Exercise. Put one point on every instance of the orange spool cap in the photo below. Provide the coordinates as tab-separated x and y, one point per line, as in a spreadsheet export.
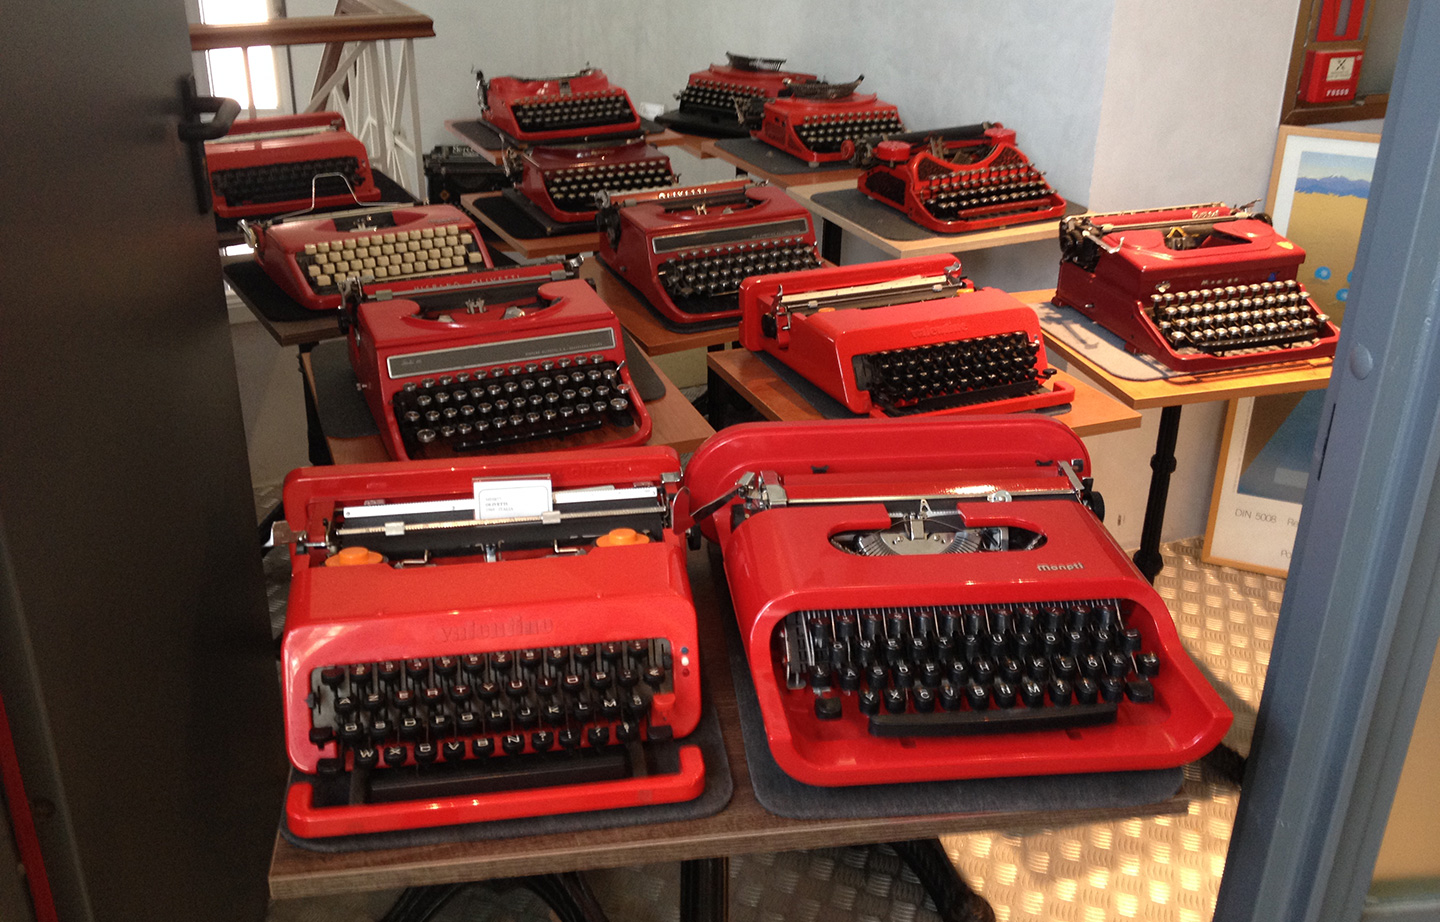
618	537
353	557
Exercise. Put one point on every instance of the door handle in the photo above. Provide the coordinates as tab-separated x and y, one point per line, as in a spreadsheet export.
195	133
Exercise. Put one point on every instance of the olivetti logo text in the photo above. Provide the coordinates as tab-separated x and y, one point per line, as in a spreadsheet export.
1048	567
493	630
931	330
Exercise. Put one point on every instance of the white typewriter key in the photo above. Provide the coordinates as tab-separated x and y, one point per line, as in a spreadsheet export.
323	247
427	232
310	249
322	280
314	271
466	239
475	258
368	263
381	272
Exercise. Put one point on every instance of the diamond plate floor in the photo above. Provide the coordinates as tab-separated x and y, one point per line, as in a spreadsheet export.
1157	869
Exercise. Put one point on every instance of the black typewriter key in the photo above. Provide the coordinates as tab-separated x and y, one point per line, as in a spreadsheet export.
360	675
1091	666
395	755
626	677
1050	643
977	696
417	669
388	672
839	654
460	693
895	700
868	702
332	676
482	747
1075	644
530	659
1002	620
380	728
512	743
597	737
872	626
1117	664
1061	692
439	721
849	677
321	735
827	708
958	671
467	722
408	727
654	676
1106	618
1003	694
1025	644
546	686
516	689
1008	668
452	750
951	696
1062	666
1102	641
344	705
1146	664
472	663
821	677
877	676
430	696
918	649
367	757
350	732
609	707
1026	619
526	716
600	679
557	656
996	645
487	691
1111	689
638	650
819	633
931	674
1050	618
1130	641
865	652
892	651
403	698
497	719
634	706
426	753
542	740
974	620
627	731
572	684
1078	618
982	670
924	699
1140	691
903	674
1032	693
847	626
553	714
1086	691
502	662
582	711
569	739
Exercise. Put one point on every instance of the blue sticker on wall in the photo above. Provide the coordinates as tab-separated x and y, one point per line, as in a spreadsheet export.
1349	276
1322	272
1342	295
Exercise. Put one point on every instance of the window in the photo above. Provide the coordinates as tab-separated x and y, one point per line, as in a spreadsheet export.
225	67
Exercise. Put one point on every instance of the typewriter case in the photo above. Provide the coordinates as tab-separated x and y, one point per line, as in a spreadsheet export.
798	486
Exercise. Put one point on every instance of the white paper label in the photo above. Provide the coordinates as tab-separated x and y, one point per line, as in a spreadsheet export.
512	497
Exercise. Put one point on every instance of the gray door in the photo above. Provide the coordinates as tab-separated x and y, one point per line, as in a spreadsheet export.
135	660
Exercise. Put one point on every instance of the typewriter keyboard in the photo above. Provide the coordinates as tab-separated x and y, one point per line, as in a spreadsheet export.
824	134
708	280
952	670
580	110
480	411
286	182
947	197
574	188
920	379
715	98
1237	318
428	251
478	706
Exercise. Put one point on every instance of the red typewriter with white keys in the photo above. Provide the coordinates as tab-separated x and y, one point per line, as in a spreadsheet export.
715	94
813	121
288	162
686	250
487	639
904	337
1200	288
564	182
392	251
518	359
540	110
956	180
934	599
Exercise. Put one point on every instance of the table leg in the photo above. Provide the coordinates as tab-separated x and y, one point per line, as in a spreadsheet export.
315	436
830	237
1162	465
705	890
954	900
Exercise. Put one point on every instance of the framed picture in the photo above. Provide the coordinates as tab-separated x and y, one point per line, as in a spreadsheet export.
1319	188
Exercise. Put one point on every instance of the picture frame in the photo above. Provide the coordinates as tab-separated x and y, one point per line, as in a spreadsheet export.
1319	187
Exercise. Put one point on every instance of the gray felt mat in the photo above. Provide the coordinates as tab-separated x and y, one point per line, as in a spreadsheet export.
487	137
774	160
888	222
784	796
1100	345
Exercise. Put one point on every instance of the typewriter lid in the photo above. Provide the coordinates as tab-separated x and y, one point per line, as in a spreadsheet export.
946	448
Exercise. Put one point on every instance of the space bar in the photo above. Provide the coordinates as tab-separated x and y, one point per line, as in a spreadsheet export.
998	720
509	773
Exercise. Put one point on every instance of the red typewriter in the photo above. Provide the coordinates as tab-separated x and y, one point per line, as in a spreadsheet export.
516	359
958	179
1200	288
487	639
288	162
564	181
539	110
934	599
813	121
902	338
715	94
393	251
686	250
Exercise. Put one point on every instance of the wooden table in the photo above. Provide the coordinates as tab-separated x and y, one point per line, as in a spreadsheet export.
1170	394
585	239
674	422
641	322
1090	413
742	827
709	148
933	244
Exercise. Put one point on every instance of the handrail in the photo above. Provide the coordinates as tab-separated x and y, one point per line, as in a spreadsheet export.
355	21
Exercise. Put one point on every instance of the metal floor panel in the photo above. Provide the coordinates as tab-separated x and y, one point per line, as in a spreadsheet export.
1157	869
